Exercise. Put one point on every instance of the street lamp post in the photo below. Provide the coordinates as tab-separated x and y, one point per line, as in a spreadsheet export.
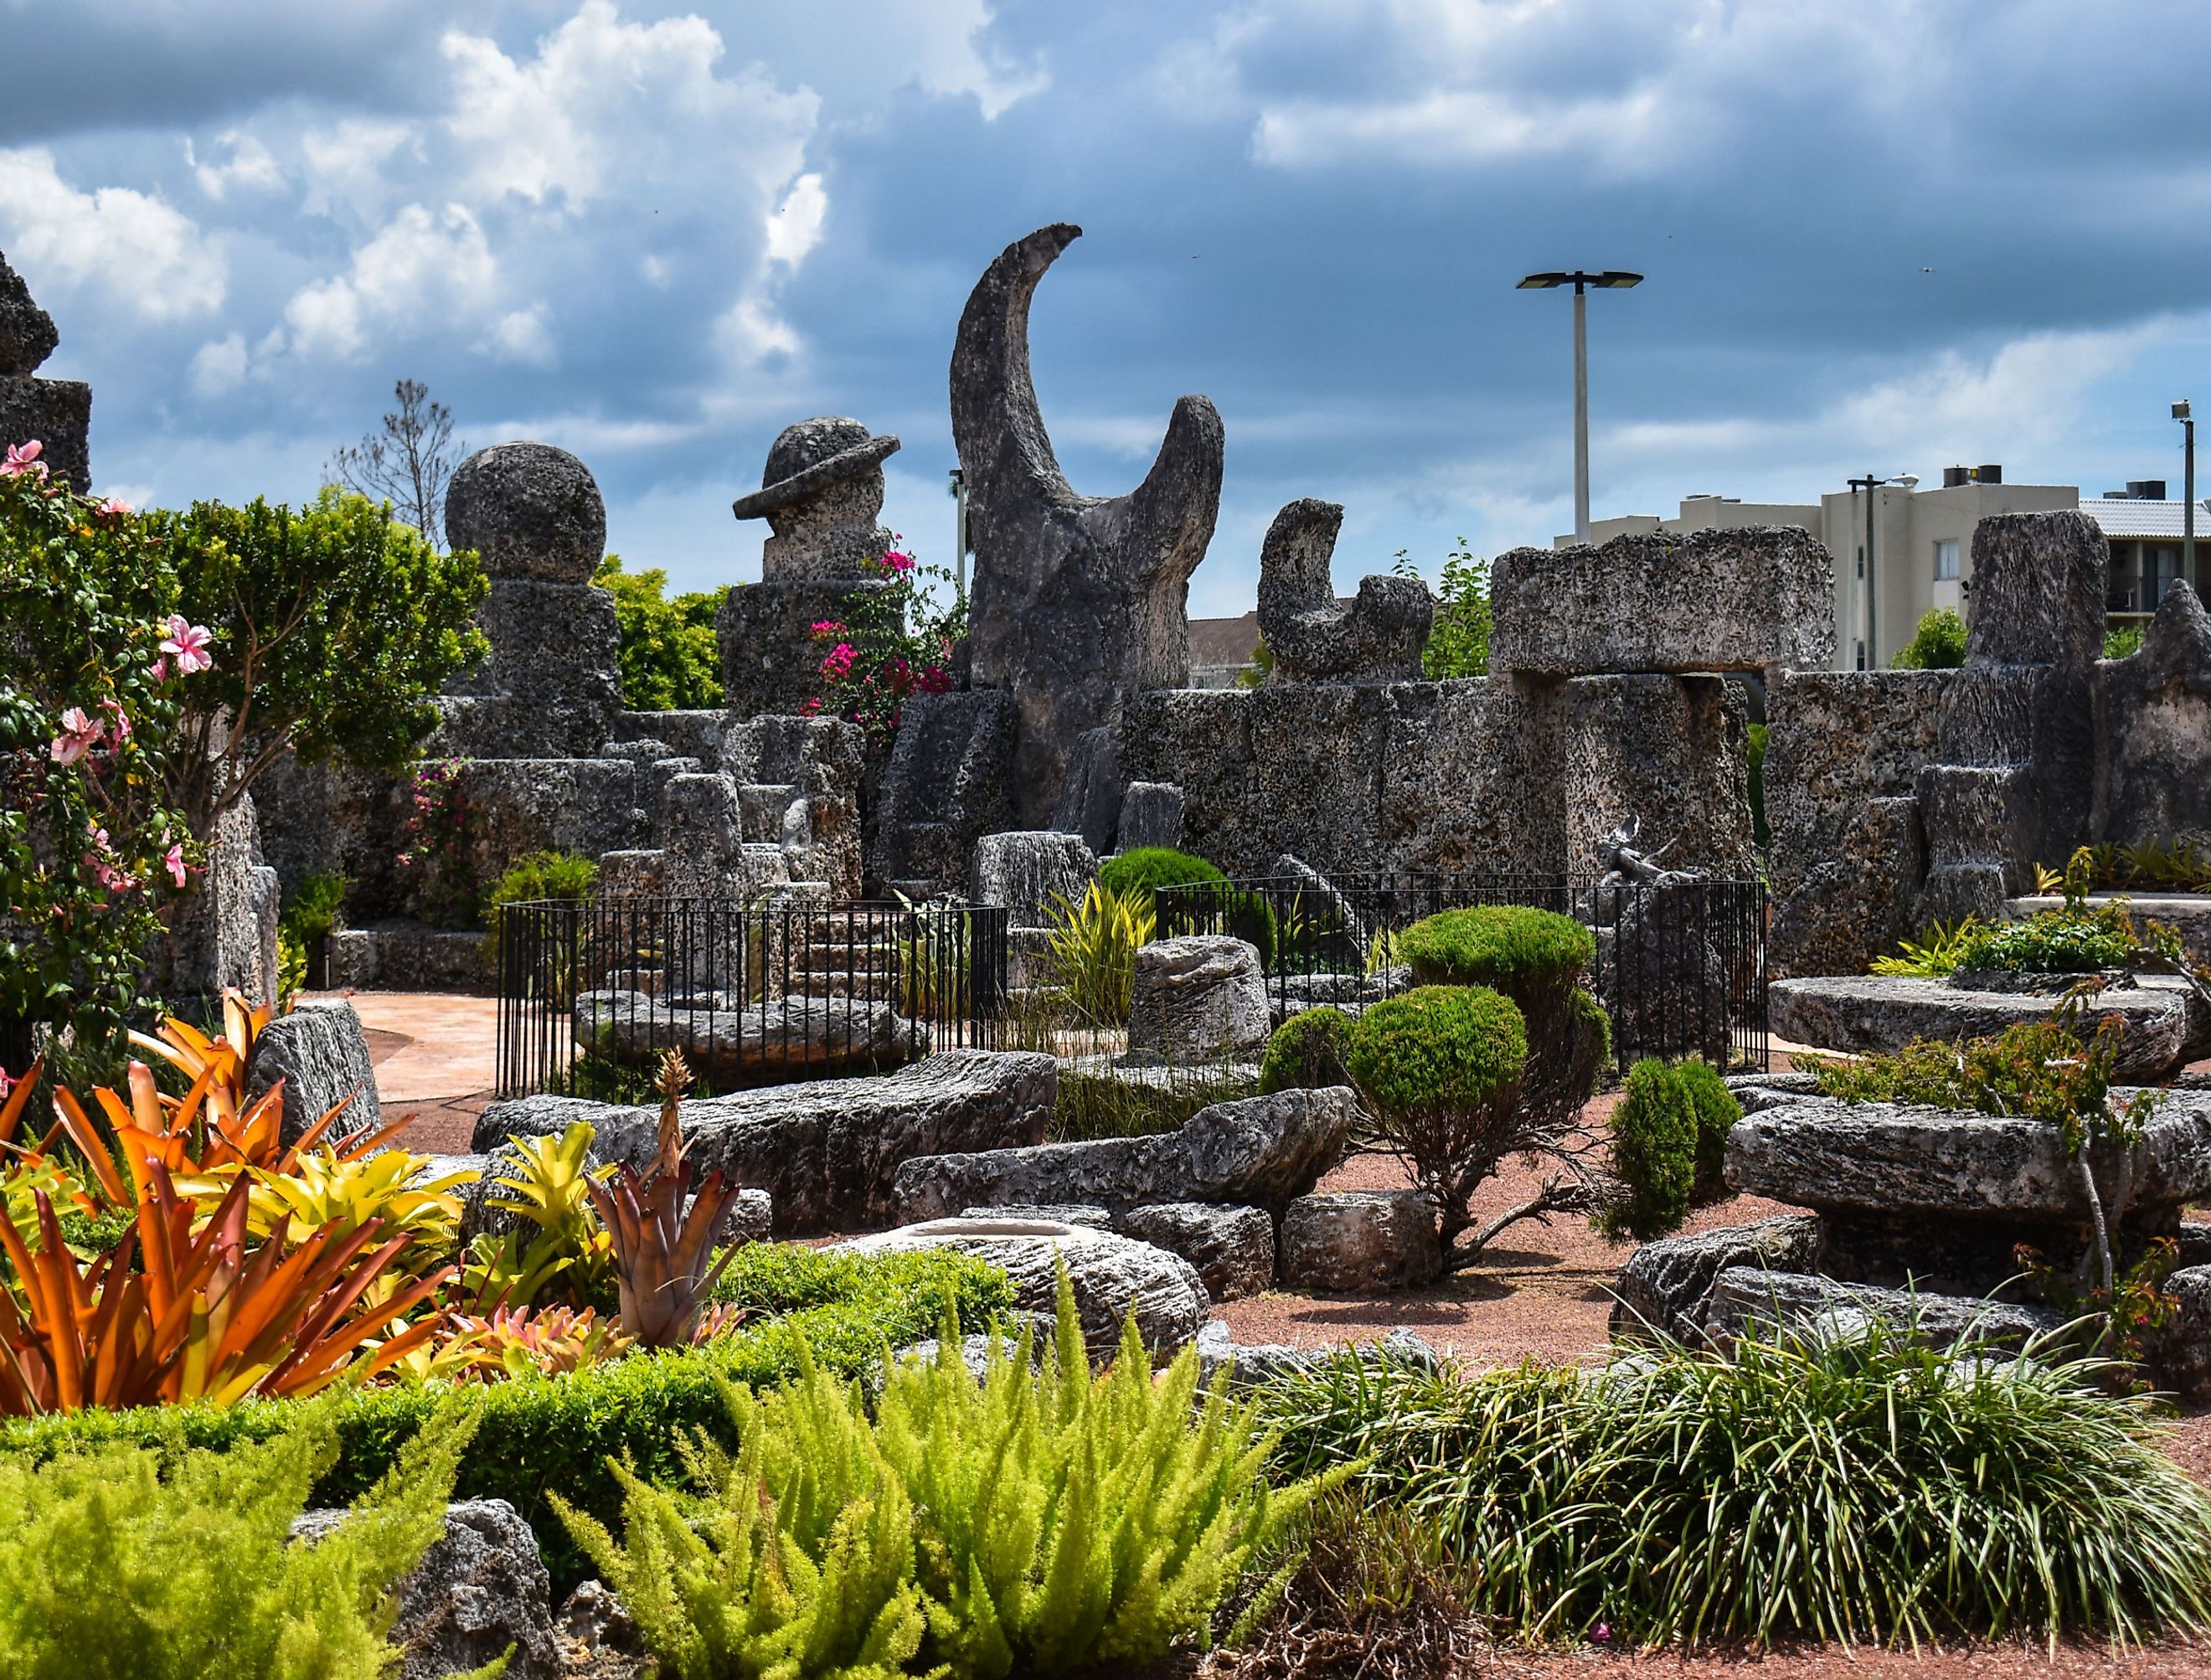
1869	483
1611	279
2188	492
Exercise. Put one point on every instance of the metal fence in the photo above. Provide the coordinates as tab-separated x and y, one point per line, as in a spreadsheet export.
591	991
1680	966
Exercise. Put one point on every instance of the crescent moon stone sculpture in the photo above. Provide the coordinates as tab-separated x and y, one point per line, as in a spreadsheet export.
1079	600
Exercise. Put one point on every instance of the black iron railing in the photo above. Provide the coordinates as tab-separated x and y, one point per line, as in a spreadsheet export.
591	991
1680	966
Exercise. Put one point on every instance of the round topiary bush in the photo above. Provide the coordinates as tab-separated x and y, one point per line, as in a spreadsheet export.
1437	1050
1509	947
1654	1153
1310	1050
1716	1112
1144	871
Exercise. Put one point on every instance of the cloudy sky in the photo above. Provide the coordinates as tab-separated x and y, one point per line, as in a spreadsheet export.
653	232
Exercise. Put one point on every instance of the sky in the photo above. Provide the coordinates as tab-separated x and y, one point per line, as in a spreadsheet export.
1879	235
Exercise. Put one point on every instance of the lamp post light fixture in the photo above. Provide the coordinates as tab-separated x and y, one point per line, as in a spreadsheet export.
1610	280
1869	483
2188	492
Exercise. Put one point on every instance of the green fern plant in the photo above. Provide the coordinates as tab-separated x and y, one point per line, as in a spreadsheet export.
129	1562
1030	1520
1937	953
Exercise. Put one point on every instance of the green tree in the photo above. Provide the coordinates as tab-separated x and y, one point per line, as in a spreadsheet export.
1458	640
334	626
90	713
1939	643
670	660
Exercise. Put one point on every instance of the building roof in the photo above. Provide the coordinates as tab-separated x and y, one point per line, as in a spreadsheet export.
2119	516
1220	643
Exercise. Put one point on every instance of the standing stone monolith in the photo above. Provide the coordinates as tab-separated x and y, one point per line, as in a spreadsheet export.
56	413
1079	602
1315	637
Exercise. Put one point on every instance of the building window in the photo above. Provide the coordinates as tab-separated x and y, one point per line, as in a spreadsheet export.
1861	655
1861	560
1946	559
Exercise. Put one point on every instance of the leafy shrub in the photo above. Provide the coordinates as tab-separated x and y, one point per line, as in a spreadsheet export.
532	878
316	907
1715	1111
1937	644
1510	948
1458	637
1860	1488
132	1562
1038	1522
670	659
1247	915
1937	953
1309	1050
1654	1152
1092	956
2123	642
2051	942
1440	1068
540	1433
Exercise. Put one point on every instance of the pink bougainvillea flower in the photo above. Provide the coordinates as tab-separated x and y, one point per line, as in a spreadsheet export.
79	735
828	626
812	708
897	561
937	681
188	644
23	458
175	863
112	507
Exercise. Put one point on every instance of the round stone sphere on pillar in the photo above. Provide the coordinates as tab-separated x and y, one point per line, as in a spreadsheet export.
530	511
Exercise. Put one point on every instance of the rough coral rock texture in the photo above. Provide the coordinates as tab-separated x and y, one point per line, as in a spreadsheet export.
1668	750
1232	1247
1259	1151
1842	762
1032	872
478	1590
1758	598
1054	1213
1312	637
321	1054
2165	1023
2181	1349
1112	1276
1348	1241
1079	602
821	494
820	761
551	685
2154	723
28	337
1744	1296
946	786
598	1638
730	1042
771	664
58	414
1901	1160
1200	998
528	510
826	1151
2038	590
1666	1286
1151	814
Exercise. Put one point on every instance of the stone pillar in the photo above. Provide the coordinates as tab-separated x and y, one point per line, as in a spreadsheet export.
821	495
57	413
552	684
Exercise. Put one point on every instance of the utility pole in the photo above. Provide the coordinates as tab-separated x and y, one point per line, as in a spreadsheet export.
1869	483
2188	493
1580	279
958	487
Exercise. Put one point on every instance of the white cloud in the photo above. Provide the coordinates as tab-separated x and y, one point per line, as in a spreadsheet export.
345	165
949	62
795	227
609	106
524	335
750	332
135	248
252	164
422	265
220	365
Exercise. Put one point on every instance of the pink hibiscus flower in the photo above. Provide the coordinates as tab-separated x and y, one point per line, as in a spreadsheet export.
175	863
112	507
188	644
23	458
79	735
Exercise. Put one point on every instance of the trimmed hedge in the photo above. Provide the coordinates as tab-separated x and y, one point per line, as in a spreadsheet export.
1509	947
1148	868
1654	1151
1715	1111
1310	1050
558	1433
1437	1048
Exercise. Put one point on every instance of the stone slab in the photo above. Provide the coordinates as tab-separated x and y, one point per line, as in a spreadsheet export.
1742	1296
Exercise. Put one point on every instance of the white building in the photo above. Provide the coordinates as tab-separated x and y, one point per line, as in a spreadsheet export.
1905	550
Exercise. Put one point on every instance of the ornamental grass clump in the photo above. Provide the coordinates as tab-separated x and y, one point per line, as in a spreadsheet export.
1029	1520
1860	1488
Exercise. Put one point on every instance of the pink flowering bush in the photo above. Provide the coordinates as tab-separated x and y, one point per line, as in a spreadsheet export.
439	862
895	640
93	682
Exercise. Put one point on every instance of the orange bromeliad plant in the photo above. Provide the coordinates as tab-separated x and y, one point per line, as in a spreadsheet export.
204	1319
